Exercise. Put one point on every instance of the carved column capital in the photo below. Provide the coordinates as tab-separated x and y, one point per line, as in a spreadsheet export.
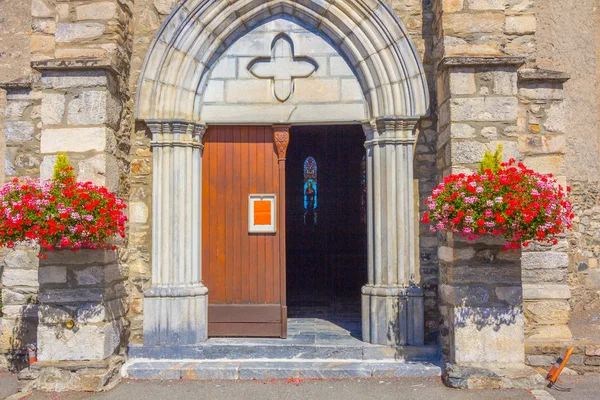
176	133
390	130
281	137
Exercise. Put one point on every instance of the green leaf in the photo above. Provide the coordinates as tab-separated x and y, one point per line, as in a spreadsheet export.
491	161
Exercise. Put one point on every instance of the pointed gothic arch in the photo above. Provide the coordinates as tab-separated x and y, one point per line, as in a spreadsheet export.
366	33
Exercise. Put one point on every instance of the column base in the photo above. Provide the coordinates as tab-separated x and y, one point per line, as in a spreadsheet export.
175	315
393	315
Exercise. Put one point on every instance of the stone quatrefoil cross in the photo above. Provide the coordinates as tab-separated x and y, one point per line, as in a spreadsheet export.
282	67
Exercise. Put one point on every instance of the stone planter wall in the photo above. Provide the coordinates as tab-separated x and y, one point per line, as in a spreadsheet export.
86	290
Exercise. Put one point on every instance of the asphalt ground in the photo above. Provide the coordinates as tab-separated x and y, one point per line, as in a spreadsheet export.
583	388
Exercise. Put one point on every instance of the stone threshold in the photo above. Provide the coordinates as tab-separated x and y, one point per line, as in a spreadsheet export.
255	349
275	369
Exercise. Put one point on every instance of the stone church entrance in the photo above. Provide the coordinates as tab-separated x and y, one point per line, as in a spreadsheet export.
326	235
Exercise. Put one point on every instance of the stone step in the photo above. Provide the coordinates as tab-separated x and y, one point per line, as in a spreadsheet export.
275	369
273	349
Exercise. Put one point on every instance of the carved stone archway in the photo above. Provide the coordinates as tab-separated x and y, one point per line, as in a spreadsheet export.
370	38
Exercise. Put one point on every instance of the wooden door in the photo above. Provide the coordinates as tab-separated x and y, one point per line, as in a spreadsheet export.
243	271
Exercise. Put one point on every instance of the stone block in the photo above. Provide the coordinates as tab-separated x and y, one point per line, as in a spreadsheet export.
21	258
462	81
164	6
339	67
531	276
542	291
520	24
214	92
41	43
484	109
103	10
464	24
102	170
538	144
16	109
486	4
351	90
488	335
53	108
94	108
317	90
553	164
547	312
513	295
138	213
81	257
467	152
462	131
52	275
40	9
78	31
19	131
88	342
504	83
74	79
555	118
544	260
77	140
12	277
225	68
44	26
541	93
451	6
249	91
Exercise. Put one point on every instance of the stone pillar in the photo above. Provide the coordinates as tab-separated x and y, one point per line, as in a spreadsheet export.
392	305
176	305
481	306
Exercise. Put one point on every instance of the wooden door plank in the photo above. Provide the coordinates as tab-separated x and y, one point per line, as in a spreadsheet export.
244	313
228	217
245	256
220	295
261	237
253	239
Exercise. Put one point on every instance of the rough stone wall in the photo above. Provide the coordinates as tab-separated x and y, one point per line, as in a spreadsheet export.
485	28
569	41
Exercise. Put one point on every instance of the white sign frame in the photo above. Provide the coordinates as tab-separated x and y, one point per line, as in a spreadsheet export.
272	227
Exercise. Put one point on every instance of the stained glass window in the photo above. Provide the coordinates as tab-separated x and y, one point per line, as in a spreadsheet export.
363	190
310	190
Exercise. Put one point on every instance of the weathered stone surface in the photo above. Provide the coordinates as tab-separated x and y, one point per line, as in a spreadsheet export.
521	24
504	83
164	6
486	4
465	23
450	6
462	81
78	31
537	144
101	169
16	109
93	108
21	258
484	109
467	152
12	277
546	291
39	8
89	342
52	274
102	10
138	212
513	295
53	108
555	118
19	131
547	312
74	79
76	140
544	260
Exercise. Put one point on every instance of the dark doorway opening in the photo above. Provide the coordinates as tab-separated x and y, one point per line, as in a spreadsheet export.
326	235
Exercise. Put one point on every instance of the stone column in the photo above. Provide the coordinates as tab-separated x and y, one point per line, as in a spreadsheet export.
176	305
392	305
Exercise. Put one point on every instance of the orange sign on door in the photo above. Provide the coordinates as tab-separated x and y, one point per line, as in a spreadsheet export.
262	212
